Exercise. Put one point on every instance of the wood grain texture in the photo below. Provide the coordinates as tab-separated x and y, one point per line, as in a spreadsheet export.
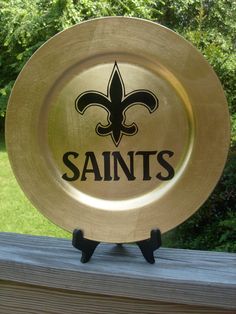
194	278
24	299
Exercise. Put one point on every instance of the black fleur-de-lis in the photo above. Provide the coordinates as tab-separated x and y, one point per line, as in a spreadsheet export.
116	103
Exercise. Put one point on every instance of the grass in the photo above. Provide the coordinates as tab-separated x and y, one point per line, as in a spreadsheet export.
16	212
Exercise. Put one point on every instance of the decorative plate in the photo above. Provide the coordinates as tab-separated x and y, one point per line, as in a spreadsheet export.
117	126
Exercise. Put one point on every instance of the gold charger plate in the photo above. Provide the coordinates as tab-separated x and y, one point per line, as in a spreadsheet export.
117	126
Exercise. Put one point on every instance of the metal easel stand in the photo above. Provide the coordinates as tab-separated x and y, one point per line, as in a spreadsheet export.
87	247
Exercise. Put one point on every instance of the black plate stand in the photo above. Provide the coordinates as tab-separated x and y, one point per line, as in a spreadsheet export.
88	247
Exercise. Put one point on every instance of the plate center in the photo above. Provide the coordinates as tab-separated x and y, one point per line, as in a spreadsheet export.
117	130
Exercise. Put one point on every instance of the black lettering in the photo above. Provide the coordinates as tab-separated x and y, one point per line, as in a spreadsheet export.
71	166
95	170
165	165
107	166
129	172
146	163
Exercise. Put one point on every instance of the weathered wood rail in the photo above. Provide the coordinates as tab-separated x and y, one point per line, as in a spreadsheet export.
44	275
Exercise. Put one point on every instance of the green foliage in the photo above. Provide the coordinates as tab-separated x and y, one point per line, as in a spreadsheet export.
209	24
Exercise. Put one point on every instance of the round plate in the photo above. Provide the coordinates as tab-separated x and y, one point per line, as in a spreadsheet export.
117	126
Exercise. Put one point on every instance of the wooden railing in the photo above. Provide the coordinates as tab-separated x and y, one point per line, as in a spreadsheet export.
44	275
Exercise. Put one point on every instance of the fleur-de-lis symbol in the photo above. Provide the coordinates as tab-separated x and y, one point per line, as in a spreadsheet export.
116	103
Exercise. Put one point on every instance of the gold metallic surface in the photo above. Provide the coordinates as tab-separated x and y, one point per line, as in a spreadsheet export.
191	120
